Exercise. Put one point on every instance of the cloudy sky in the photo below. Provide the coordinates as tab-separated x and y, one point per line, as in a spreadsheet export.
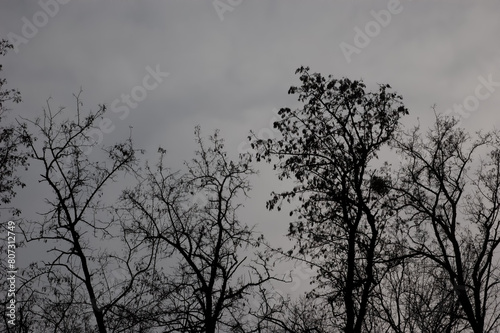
230	64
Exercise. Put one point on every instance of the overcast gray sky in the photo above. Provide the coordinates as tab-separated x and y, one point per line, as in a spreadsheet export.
230	64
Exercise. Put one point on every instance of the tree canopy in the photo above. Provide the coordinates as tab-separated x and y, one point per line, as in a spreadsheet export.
405	244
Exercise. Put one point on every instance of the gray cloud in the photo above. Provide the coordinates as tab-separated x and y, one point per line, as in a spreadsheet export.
230	74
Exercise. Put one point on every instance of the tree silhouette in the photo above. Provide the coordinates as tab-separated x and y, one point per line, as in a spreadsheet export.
328	147
450	186
12	140
408	247
218	265
13	155
81	224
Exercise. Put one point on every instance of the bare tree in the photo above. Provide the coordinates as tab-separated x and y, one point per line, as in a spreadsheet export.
282	314
416	297
81	225
211	262
450	186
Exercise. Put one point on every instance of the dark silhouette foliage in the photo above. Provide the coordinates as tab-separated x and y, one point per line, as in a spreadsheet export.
327	147
408	245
